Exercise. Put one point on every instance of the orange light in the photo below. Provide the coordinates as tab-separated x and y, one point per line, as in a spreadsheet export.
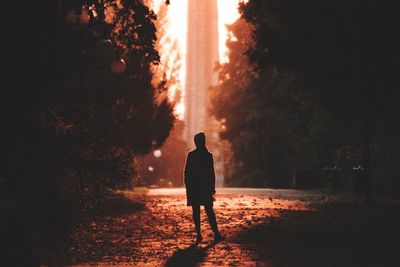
228	13
177	28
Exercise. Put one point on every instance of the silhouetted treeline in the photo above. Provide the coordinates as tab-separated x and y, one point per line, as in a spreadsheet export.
313	86
165	169
78	106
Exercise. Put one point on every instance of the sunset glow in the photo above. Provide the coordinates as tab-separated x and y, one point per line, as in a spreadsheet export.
227	14
177	29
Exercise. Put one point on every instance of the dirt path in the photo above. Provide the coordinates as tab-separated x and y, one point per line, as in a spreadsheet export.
161	233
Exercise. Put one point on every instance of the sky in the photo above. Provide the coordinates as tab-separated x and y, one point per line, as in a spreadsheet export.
177	28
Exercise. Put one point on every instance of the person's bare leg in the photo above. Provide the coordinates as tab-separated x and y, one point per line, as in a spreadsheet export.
196	220
213	222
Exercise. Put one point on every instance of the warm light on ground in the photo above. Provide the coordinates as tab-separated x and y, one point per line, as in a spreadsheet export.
177	29
157	234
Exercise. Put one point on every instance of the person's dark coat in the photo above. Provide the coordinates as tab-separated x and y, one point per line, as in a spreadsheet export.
199	177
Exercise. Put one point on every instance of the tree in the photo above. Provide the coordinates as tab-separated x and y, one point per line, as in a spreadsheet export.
341	52
166	167
77	115
265	121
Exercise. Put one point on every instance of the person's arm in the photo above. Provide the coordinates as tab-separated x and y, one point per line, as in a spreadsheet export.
187	171
212	189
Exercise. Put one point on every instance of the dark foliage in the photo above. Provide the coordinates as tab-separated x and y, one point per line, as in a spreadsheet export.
321	91
72	124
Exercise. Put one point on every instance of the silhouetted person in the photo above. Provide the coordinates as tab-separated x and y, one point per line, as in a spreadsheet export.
200	185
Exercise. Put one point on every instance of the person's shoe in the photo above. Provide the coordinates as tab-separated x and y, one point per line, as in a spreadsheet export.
199	238
218	238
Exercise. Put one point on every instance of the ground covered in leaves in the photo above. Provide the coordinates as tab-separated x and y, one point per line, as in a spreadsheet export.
263	227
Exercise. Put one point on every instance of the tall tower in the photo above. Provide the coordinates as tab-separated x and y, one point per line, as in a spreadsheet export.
201	58
202	54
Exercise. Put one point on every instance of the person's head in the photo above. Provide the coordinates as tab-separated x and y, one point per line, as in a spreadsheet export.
200	140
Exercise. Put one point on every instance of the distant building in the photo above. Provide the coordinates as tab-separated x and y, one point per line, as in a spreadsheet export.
202	53
201	58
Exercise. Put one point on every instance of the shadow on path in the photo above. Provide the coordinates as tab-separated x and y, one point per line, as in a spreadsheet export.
343	234
188	257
